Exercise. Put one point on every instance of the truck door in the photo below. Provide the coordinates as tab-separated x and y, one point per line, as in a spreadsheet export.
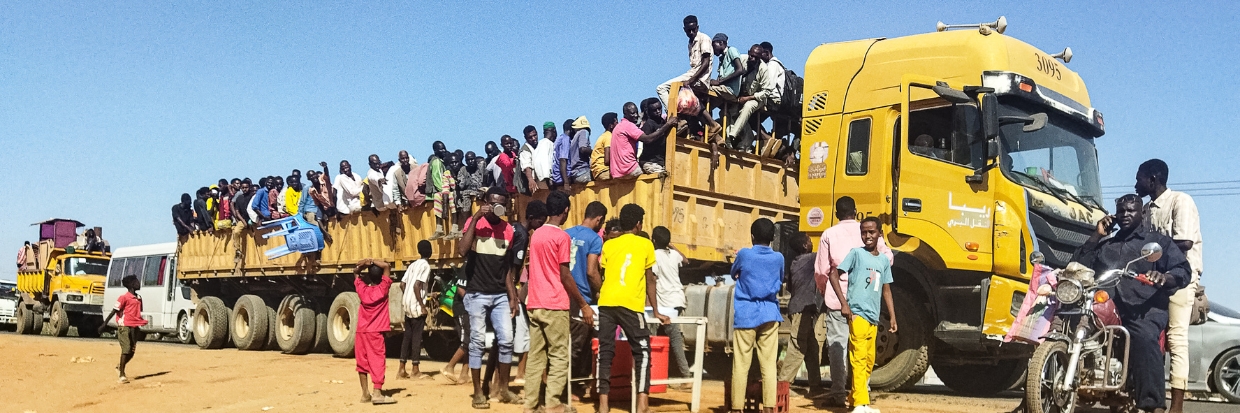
153	279
941	144
172	287
863	170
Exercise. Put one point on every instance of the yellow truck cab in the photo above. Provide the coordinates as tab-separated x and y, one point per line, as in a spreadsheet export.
975	149
61	283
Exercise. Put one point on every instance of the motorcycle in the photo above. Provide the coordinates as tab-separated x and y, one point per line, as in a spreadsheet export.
1083	360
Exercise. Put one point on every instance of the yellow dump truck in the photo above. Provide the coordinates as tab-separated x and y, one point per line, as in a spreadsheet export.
60	283
974	148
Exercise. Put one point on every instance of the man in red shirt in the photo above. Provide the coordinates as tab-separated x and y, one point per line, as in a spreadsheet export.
551	285
372	321
128	324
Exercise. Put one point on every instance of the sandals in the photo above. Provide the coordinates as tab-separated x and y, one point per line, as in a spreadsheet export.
508	397
481	402
450	376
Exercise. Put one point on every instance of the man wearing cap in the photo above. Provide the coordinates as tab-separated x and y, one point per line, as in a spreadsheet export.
544	155
578	165
728	85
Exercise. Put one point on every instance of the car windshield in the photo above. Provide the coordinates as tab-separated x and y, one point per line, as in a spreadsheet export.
1058	158
86	266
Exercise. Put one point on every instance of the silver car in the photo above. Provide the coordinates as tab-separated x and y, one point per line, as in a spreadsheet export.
1214	352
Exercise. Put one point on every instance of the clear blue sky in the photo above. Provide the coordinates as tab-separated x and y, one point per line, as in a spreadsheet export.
109	112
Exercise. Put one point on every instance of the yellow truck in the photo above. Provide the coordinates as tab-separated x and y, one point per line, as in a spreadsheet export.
974	148
60	283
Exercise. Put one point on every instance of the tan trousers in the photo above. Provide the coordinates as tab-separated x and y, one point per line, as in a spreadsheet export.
1179	313
763	340
549	337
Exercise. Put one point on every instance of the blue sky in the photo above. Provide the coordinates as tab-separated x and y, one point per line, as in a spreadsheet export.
109	112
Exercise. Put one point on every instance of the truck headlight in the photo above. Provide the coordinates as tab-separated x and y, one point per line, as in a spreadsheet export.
73	297
1069	291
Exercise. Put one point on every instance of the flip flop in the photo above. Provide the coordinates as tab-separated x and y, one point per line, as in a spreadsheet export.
423	376
481	402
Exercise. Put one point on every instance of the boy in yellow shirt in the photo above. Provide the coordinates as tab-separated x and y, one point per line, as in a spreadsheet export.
628	284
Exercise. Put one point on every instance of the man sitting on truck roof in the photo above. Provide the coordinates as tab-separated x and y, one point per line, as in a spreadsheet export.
561	157
699	61
758	90
525	159
654	153
442	187
377	179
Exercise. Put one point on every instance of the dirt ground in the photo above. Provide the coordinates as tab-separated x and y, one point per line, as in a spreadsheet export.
45	374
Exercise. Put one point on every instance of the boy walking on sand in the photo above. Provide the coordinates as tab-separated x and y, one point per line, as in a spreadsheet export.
372	279
414	302
869	272
759	274
628	285
128	324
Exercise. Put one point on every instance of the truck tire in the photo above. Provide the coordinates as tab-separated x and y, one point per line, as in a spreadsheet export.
211	323
320	328
271	343
26	320
88	325
295	325
979	380
907	352
249	323
59	322
185	334
341	323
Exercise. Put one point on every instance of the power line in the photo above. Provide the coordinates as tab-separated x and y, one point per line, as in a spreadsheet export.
1178	184
1187	191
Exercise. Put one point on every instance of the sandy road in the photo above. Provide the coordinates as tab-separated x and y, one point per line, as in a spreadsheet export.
40	377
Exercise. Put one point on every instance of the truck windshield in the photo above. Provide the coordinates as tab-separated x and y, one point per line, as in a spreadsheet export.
1059	159
86	266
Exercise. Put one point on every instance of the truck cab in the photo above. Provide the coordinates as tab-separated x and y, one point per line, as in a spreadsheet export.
61	284
975	149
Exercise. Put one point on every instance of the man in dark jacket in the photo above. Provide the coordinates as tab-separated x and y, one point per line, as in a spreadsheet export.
1141	306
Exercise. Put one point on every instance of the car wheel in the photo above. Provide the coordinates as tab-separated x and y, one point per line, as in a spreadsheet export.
1226	375
185	333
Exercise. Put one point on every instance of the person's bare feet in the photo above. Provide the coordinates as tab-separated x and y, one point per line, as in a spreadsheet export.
602	404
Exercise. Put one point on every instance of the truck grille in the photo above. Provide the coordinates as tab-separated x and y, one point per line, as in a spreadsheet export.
96	289
1058	239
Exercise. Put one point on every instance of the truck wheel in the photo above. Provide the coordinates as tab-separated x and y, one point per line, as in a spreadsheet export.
341	323
902	357
320	328
295	325
185	334
980	380
211	323
441	345
60	320
26	320
271	343
88	325
249	323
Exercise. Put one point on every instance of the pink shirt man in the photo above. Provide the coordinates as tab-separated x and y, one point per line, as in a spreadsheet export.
832	248
624	148
550	247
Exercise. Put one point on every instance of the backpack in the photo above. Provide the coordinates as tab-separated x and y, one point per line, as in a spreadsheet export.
794	90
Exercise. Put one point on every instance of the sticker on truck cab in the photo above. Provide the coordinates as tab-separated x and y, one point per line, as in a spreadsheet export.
818	153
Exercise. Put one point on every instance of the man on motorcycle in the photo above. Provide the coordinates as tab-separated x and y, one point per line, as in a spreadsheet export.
1142	307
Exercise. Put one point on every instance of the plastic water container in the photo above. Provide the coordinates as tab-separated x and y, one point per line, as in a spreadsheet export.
622	366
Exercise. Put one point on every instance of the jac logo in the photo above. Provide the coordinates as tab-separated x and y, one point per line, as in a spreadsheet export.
1049	66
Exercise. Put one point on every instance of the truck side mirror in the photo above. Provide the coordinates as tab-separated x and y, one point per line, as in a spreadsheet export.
990	118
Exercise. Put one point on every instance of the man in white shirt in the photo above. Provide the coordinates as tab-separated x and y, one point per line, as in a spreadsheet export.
671	293
544	155
348	188
700	57
776	69
378	182
1174	214
414	303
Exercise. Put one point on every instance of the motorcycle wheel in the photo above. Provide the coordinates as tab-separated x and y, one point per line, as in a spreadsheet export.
1047	370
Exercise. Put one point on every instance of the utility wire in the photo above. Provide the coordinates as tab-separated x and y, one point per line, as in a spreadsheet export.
1177	184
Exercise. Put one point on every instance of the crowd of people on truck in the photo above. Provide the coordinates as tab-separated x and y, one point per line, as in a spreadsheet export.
541	287
747	90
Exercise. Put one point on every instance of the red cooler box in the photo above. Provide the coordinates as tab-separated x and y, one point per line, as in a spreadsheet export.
622	366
